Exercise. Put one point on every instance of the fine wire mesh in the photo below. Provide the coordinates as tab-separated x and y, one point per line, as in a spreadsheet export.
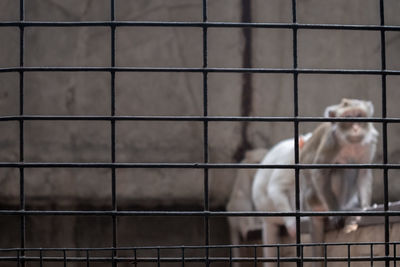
43	256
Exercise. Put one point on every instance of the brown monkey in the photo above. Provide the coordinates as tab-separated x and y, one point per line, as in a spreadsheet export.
321	189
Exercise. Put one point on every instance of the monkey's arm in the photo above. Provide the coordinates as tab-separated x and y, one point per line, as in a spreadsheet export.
321	181
321	178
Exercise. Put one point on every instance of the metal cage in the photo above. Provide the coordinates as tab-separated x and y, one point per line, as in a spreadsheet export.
24	256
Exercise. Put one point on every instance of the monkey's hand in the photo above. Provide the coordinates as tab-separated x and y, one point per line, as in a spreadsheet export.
352	225
350	228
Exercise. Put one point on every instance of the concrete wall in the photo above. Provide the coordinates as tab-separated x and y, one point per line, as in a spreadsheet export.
88	93
136	94
69	93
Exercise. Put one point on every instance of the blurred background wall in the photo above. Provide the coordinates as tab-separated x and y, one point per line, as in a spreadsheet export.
171	93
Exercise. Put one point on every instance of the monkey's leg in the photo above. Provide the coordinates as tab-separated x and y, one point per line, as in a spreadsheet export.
280	194
362	194
317	231
270	236
347	192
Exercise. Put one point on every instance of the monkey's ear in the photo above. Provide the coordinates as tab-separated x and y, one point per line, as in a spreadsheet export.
330	112
370	108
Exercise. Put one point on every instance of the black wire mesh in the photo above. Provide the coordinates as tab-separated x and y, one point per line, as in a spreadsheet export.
189	254
207	254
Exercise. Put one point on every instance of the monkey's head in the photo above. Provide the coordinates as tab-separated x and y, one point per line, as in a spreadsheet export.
353	132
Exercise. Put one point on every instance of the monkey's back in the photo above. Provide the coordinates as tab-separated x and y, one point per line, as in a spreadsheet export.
267	180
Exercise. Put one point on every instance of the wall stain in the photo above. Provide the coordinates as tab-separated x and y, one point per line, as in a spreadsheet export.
247	84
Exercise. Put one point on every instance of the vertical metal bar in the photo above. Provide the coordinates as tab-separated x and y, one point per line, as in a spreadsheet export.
384	131
113	174
205	132
371	254
183	256
41	258
278	255
230	257
301	252
65	258
325	256
158	257
21	130
348	255
394	255
87	258
296	131
18	259
255	256
135	257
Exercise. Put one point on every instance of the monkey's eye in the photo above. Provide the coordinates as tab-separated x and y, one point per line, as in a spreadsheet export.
345	125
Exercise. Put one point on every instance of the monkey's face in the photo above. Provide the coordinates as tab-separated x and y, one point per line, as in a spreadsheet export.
354	132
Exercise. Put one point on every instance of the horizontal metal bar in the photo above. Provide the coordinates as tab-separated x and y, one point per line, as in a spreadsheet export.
192	165
199	24
194	213
195	259
191	118
192	247
201	70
